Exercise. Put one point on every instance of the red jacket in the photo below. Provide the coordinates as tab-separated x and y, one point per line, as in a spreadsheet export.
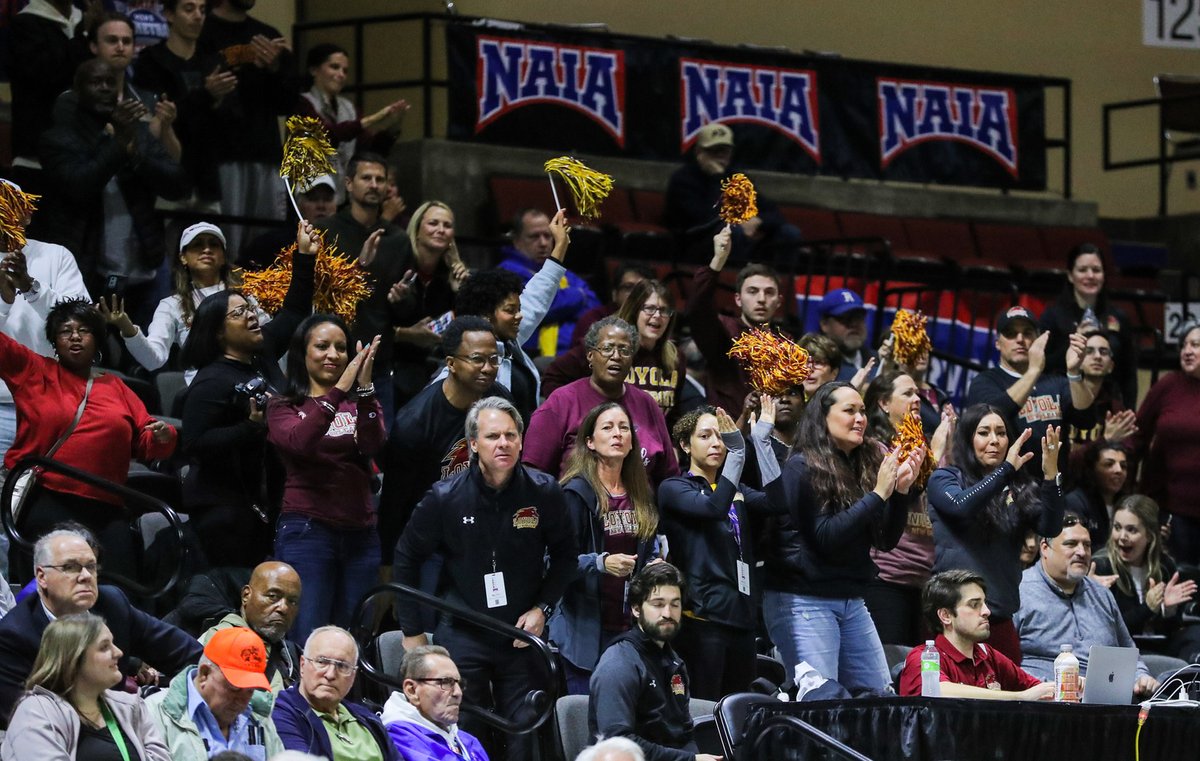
110	433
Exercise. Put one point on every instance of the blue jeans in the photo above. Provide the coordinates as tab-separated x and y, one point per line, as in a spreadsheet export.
336	566
836	636
8	433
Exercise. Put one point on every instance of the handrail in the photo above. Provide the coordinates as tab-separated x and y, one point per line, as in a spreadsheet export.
127	494
539	701
1162	160
777	723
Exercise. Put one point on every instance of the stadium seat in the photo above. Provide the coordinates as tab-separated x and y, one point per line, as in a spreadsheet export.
731	714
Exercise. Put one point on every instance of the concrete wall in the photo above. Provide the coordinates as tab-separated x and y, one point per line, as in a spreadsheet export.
1098	45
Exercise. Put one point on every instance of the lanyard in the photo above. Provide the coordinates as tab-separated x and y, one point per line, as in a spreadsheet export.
114	730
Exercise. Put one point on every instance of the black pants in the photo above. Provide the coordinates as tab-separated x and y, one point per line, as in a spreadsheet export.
119	544
498	676
232	534
720	659
896	611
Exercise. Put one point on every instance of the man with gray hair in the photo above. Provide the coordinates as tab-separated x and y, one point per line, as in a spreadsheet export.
66	571
612	749
422	720
494	524
314	716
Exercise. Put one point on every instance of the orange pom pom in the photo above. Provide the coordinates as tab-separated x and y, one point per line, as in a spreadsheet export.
739	200
774	363
909	438
911	339
339	286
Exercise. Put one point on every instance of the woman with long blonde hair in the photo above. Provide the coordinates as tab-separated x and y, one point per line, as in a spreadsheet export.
612	510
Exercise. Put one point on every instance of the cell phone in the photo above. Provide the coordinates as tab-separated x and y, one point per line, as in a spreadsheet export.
441	323
115	284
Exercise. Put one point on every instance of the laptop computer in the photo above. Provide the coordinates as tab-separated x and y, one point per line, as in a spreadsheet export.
1111	672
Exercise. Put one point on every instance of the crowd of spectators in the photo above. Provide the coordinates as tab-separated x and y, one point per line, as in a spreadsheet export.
602	475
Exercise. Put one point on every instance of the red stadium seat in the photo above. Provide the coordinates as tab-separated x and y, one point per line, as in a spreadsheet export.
948	238
1011	244
814	224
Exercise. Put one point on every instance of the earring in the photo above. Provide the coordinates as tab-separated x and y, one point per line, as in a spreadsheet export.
96	360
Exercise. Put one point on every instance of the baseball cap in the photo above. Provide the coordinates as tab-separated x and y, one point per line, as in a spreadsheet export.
325	179
191	233
838	302
1013	314
12	185
714	134
241	656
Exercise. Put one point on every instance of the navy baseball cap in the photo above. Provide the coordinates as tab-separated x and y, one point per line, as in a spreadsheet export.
838	302
1012	315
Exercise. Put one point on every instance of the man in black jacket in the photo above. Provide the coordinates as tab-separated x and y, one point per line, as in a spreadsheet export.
640	689
66	570
103	172
495	524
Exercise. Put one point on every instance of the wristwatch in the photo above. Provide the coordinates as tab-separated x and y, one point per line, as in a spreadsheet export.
546	610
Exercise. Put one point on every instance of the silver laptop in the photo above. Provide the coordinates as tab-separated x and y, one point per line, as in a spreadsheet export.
1111	673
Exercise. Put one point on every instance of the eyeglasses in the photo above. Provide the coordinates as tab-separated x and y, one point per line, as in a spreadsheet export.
82	331
239	312
74	568
1101	350
651	311
447	683
341	668
608	350
479	360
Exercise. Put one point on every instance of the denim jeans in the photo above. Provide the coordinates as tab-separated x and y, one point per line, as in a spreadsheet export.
8	433
336	566
835	635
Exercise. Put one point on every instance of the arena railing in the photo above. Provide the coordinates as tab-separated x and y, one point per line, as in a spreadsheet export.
776	740
1163	160
539	701
135	503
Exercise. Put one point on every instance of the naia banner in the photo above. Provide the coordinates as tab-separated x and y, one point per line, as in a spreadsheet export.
643	98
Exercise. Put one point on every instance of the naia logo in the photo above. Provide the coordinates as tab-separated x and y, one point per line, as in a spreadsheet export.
912	112
514	73
782	99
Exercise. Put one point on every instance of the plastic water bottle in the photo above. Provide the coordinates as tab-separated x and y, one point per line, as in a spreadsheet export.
1066	676
931	671
1090	322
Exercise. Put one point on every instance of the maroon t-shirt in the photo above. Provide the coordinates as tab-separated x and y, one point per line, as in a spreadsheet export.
620	538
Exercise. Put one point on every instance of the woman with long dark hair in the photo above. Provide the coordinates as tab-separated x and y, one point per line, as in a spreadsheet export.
983	503
328	66
894	598
225	433
327	426
200	270
612	509
1084	290
707	519
1103	480
71	709
90	419
659	368
843	496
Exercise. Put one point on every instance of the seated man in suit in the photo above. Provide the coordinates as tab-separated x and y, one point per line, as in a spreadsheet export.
66	571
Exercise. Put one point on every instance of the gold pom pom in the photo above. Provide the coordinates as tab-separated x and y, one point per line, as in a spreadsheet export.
306	152
339	286
15	207
775	364
911	339
909	438
739	200
588	187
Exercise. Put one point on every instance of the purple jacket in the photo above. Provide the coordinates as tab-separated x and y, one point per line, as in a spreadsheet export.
301	729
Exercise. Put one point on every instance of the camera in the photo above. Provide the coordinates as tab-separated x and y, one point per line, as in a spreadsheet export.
256	388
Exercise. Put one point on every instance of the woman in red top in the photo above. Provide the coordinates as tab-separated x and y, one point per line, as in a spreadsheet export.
326	428
114	428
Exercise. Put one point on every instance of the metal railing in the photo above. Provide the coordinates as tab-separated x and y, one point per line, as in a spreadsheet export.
1163	160
539	703
780	725
131	498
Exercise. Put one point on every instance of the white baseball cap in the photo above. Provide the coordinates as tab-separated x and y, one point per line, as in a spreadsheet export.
325	179
191	233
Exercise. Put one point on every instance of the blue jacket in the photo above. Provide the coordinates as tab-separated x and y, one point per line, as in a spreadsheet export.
300	728
571	300
575	623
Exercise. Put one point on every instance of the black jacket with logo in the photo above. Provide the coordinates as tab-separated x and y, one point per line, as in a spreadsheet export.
481	530
640	691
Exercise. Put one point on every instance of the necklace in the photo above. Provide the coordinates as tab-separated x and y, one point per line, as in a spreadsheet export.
96	722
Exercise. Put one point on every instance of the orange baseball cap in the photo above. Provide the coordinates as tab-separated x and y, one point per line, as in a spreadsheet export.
241	656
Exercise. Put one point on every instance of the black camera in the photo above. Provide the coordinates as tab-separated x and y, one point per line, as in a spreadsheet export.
256	388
